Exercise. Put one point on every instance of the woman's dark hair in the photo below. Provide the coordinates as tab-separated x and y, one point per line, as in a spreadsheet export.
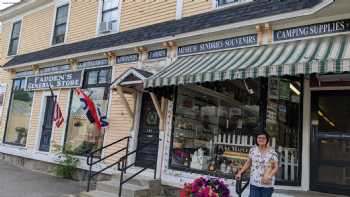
262	133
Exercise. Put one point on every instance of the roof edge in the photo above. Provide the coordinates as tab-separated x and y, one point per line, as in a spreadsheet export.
262	20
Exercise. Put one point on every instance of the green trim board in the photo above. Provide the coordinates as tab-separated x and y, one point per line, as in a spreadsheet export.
318	55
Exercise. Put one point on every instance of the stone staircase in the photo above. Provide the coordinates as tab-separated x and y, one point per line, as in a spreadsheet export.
139	186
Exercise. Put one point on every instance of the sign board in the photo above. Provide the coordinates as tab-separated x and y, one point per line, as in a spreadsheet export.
312	30
127	58
234	42
93	63
59	80
156	54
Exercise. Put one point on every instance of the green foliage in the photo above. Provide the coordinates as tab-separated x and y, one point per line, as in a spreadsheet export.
67	165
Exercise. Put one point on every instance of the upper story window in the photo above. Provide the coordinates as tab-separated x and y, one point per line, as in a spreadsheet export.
60	24
109	16
16	28
231	2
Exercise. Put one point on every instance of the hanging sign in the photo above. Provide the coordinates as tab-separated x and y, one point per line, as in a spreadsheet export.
235	42
156	54
127	58
312	30
59	80
93	63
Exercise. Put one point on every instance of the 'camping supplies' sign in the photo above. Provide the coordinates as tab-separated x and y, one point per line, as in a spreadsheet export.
161	53
59	80
235	42
312	30
127	58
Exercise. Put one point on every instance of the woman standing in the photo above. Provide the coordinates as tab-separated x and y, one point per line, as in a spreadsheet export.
263	162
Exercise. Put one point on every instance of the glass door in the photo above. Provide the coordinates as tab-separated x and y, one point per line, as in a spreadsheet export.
330	146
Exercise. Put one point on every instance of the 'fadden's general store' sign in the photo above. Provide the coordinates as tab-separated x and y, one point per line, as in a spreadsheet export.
312	30
235	42
59	80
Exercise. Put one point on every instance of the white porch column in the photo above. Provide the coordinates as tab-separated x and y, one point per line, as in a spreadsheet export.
305	172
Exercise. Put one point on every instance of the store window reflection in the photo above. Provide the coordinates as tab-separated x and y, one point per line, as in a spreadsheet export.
19	114
82	136
214	126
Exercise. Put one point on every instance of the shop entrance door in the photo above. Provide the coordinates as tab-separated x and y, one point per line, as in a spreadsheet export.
46	130
330	142
148	132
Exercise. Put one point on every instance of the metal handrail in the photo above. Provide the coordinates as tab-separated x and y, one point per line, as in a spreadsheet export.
91	163
240	187
123	161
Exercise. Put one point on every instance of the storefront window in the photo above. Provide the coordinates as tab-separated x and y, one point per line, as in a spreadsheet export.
283	122
82	136
19	114
214	126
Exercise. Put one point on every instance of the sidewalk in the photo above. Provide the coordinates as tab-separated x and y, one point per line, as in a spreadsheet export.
18	182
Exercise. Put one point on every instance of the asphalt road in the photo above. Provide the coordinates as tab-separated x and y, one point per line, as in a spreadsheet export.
18	182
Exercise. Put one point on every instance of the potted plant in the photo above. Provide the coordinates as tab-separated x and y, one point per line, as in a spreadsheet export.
205	187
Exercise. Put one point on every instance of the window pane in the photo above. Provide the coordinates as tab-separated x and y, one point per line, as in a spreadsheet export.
283	123
19	116
13	47
109	4
103	76
16	29
211	125
59	34
92	77
82	136
62	13
110	16
16	85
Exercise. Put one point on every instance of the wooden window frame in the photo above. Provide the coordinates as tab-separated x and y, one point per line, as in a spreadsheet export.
13	38
56	26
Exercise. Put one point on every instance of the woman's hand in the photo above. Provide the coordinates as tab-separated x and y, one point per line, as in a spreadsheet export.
238	176
267	180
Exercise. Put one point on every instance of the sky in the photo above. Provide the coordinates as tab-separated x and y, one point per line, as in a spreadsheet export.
5	3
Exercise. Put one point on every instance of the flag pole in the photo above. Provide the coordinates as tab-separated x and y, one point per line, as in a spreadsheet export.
54	105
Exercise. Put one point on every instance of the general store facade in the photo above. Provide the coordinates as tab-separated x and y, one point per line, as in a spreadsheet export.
203	94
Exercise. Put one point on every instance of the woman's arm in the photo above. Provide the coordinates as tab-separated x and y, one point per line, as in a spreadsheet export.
274	170
245	167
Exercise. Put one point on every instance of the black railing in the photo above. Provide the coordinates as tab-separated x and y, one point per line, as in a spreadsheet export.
122	162
91	162
123	165
240	187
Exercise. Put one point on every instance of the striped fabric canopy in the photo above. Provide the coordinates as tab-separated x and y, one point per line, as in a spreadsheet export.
318	55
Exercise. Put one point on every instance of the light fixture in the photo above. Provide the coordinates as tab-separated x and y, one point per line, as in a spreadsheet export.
294	89
325	118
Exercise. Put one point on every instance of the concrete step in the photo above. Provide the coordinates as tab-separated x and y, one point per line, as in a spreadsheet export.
138	180
97	193
128	190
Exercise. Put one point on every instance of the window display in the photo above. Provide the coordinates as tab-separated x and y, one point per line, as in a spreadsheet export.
19	114
82	136
214	127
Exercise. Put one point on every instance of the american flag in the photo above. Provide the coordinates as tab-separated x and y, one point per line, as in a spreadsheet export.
57	115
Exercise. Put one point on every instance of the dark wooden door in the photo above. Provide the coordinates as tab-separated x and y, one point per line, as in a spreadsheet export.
330	142
148	133
46	130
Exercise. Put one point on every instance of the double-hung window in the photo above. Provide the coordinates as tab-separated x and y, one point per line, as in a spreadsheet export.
110	13
16	28
60	24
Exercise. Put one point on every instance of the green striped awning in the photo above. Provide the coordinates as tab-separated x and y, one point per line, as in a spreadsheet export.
318	55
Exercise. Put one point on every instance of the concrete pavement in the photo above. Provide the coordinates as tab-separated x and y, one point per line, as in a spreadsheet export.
18	182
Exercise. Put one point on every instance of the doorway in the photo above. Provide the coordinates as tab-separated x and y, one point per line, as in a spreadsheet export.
330	141
148	132
46	129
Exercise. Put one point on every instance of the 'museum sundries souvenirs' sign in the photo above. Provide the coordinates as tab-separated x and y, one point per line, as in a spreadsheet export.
235	42
59	80
312	30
